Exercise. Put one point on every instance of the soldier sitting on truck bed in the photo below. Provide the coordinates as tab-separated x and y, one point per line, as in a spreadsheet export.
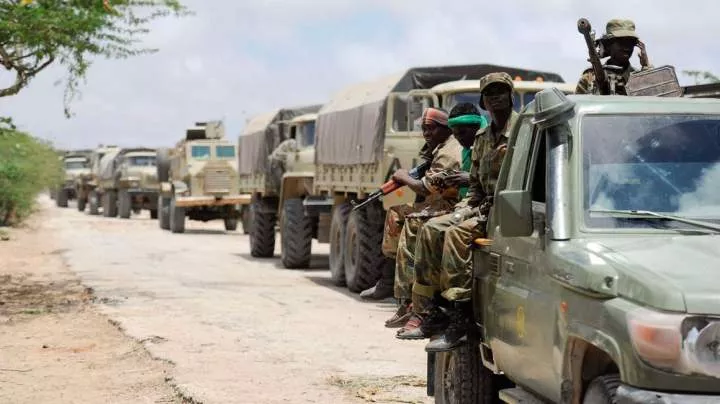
278	158
618	43
452	264
446	157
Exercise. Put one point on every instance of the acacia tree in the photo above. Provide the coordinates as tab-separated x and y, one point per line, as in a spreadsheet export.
35	34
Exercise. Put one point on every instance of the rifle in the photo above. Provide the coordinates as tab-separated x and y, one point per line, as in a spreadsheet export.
390	186
601	79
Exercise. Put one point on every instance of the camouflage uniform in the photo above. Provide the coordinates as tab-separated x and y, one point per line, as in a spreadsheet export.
447	157
442	253
618	76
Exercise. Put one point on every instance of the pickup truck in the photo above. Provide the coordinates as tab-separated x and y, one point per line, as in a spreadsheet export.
597	282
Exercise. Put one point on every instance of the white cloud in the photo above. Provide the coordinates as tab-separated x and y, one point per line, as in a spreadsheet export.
238	58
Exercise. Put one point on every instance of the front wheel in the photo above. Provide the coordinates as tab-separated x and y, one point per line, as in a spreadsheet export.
363	257
124	207
461	378
296	235
177	218
602	390
262	230
231	224
164	213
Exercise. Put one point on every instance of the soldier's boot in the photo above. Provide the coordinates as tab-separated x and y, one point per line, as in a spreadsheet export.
384	288
402	315
425	325
455	334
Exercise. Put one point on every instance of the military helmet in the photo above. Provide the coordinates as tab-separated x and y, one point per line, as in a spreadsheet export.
619	28
497	77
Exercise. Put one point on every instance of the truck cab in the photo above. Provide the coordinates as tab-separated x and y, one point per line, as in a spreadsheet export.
594	284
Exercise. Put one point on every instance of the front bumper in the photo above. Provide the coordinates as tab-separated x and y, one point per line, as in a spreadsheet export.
631	395
195	201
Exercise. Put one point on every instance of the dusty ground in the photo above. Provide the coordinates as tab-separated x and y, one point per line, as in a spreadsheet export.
54	346
223	327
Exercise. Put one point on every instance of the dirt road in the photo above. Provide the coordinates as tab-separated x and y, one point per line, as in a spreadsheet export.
224	327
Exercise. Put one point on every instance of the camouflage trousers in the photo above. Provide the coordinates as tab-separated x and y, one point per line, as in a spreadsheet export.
442	256
394	221
456	264
405	258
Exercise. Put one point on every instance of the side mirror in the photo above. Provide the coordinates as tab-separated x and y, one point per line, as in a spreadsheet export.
514	210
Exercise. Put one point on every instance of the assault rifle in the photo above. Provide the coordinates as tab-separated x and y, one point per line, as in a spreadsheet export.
601	79
390	186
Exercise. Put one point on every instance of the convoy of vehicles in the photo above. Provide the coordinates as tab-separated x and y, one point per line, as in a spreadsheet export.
76	165
199	179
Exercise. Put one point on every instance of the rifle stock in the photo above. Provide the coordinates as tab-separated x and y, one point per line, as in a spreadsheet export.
601	79
390	186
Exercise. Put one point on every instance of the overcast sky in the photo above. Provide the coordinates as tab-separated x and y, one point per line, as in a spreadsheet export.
238	58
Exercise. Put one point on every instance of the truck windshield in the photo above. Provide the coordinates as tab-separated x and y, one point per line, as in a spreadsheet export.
75	165
225	152
660	163
141	160
307	134
200	152
520	99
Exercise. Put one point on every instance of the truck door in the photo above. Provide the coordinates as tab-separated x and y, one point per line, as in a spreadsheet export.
418	100
525	294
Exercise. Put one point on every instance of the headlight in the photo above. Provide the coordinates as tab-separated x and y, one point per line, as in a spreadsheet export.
676	342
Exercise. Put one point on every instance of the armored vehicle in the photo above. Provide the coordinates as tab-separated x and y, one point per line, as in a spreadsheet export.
261	135
365	133
86	185
199	179
594	284
136	182
75	165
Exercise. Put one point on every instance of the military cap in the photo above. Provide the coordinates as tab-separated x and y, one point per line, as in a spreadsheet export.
619	28
497	77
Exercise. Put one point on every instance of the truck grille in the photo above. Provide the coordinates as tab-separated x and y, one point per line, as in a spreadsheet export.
217	181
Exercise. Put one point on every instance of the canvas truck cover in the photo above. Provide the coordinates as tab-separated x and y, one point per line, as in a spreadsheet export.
262	134
107	164
351	126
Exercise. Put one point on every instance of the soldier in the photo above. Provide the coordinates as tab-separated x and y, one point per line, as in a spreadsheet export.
445	155
430	256
617	43
464	121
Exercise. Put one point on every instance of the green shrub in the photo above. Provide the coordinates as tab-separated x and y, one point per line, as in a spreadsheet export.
28	165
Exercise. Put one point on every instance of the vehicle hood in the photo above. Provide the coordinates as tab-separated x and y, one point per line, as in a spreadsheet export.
674	272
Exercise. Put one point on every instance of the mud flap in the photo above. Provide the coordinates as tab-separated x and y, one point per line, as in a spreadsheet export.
430	387
660	82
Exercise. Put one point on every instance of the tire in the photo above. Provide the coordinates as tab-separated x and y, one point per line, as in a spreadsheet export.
461	378
363	258
62	198
177	218
153	214
110	204
262	231
602	390
164	213
94	203
81	203
245	217
296	234
163	165
124	208
337	243
230	224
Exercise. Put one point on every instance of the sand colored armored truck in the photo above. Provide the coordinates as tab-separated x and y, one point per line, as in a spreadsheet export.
75	165
87	185
199	179
136	182
261	135
364	133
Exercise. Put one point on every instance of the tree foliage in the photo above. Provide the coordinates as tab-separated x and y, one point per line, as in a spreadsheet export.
702	77
35	34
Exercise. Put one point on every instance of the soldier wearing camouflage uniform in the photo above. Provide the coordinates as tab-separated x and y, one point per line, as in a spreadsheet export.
617	43
446	156
442	249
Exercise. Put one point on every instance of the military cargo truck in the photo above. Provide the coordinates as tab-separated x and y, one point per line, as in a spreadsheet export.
75	166
199	179
86	185
365	133
594	283
261	135
136	182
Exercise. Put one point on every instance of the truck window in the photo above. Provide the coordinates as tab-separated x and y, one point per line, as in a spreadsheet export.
661	163
416	106
225	152
200	152
537	187
520	156
141	160
400	111
307	134
75	165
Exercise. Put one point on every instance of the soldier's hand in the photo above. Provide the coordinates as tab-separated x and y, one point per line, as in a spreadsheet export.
461	179
642	54
401	176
